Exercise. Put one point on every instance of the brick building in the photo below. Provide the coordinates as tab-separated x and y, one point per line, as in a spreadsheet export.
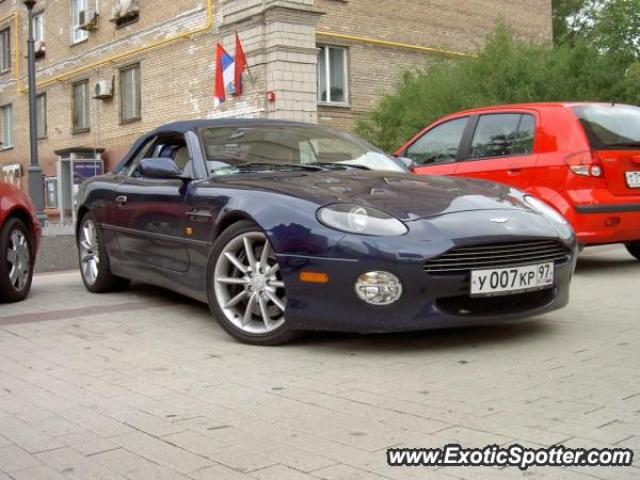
153	61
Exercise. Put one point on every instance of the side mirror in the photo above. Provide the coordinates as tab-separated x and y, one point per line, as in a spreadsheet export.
407	163
159	168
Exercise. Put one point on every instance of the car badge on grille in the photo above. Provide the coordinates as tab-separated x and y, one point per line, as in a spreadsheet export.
499	220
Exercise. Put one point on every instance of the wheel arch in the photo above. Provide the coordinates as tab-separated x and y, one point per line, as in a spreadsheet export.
23	215
82	211
229	219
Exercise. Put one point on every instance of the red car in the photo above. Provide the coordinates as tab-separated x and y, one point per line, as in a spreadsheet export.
581	158
19	240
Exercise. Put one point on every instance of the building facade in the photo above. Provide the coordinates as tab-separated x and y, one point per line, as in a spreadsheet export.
109	70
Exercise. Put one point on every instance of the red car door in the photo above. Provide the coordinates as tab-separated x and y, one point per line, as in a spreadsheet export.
435	152
500	148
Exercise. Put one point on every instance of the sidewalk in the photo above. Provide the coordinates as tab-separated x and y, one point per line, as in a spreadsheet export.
145	385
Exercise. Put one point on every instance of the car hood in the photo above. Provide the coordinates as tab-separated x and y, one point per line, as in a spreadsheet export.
405	196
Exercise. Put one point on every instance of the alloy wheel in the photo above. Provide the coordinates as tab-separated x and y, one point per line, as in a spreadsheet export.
89	252
248	284
18	260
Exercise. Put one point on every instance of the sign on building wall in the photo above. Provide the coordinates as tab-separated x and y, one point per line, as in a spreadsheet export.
12	174
83	169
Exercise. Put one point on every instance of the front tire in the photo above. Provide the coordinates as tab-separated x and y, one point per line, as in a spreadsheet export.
634	248
245	288
95	267
16	261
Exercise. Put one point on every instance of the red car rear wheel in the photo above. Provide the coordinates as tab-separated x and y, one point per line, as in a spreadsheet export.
634	248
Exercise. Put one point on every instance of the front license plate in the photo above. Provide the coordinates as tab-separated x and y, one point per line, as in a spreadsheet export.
633	179
505	281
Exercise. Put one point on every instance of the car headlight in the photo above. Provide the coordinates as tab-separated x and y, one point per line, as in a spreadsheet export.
549	212
361	220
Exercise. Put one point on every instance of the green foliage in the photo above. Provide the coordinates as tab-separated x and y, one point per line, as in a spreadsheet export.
611	26
571	18
616	29
505	71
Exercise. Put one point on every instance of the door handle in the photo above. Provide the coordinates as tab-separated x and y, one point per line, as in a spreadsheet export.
514	171
121	200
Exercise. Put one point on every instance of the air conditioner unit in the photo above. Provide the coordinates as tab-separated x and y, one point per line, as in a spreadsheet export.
103	89
40	48
88	19
125	9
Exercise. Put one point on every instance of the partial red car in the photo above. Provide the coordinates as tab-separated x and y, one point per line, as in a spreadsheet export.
583	159
19	241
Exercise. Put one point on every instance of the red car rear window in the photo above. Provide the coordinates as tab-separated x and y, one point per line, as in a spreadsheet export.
610	126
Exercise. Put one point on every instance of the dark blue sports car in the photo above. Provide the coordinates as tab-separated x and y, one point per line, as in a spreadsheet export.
283	227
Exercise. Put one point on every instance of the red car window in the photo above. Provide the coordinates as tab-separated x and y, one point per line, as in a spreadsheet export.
440	144
611	126
503	135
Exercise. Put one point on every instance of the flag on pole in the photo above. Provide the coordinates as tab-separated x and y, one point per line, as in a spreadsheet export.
240	65
225	68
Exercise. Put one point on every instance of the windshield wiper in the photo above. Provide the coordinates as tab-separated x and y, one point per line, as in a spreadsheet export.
257	167
334	165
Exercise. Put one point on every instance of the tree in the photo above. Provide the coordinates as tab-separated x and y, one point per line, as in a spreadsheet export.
505	71
611	26
570	19
616	29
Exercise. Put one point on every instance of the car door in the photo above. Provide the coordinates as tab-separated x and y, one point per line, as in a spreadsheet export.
436	151
150	213
500	148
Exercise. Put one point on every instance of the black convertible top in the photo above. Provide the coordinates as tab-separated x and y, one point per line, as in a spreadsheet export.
185	126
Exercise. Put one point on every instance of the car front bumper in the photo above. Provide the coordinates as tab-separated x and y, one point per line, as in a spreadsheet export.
428	301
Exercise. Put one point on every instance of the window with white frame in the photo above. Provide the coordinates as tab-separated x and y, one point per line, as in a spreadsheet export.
130	93
41	115
5	50
77	9
332	75
7	126
80	94
38	27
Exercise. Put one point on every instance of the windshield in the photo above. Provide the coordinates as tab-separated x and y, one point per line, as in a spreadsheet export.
267	148
611	126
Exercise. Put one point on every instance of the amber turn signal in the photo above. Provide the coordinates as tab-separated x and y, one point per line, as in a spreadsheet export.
314	277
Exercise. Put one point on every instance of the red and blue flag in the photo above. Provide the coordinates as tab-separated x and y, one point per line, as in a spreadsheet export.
225	74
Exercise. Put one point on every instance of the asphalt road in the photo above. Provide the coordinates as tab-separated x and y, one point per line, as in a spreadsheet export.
144	384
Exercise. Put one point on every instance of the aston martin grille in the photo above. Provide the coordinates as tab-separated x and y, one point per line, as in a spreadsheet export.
499	255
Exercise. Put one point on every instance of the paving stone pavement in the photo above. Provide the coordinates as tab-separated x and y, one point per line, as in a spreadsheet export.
145	385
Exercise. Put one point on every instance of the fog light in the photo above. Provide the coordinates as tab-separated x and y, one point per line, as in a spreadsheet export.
378	288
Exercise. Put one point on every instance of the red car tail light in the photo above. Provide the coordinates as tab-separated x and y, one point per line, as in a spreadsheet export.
585	164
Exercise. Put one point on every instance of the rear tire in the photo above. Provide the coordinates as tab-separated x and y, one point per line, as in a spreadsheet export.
95	268
634	248
16	261
245	289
